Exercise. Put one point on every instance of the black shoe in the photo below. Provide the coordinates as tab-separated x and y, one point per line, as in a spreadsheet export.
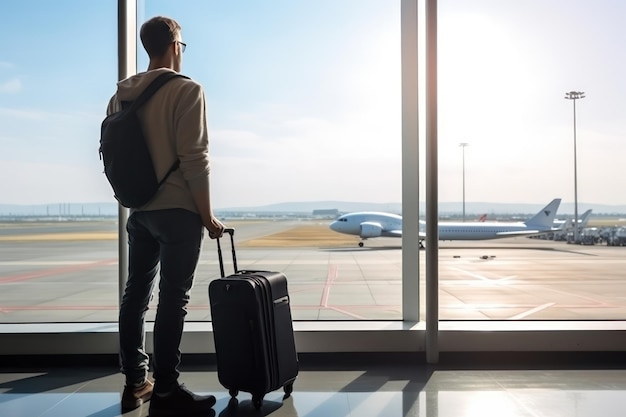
180	402
134	397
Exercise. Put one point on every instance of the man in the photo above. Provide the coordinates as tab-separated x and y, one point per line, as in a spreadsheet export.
168	230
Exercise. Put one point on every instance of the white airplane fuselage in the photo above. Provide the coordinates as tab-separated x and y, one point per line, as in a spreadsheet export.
353	225
478	231
377	224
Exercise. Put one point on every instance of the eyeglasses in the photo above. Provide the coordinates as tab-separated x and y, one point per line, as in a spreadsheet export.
183	45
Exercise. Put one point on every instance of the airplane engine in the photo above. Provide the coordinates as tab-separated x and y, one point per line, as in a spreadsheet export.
369	229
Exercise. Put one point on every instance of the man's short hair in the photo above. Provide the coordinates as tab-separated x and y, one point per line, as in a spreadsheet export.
157	34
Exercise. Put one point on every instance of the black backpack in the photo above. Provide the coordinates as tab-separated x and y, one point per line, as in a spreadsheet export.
123	149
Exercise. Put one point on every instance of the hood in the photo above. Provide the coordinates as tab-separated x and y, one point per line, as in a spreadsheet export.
130	88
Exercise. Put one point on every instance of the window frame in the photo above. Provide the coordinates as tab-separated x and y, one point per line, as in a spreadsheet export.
409	335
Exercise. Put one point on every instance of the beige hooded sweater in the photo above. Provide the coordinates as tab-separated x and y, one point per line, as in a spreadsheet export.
175	126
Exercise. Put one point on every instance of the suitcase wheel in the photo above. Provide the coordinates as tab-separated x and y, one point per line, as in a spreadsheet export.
288	390
257	401
233	392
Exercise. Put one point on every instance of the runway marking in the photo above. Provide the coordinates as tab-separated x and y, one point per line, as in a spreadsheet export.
367	306
481	277
531	311
7	309
152	307
484	306
42	263
55	271
339	310
68	236
314	307
330	278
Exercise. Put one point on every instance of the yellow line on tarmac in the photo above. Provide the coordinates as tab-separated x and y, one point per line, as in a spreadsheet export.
299	236
303	236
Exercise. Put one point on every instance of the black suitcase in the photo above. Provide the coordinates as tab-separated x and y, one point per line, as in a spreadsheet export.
252	331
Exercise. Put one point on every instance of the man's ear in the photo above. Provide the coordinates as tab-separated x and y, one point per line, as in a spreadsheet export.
176	50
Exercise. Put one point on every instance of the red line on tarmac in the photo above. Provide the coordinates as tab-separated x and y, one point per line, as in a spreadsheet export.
330	278
10	309
55	271
6	309
346	312
361	306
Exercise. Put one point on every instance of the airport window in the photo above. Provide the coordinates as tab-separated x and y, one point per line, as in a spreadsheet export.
283	114
283	99
508	130
58	233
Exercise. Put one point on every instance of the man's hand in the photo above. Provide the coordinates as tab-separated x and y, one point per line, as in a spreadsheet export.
215	228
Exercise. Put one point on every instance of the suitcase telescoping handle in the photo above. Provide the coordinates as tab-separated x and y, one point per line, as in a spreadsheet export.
231	232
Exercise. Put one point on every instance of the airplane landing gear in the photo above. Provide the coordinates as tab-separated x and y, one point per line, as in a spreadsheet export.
360	244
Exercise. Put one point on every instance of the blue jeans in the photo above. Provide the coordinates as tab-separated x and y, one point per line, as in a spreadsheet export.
173	239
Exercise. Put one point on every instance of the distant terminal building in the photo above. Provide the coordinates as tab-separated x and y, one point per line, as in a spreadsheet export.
326	213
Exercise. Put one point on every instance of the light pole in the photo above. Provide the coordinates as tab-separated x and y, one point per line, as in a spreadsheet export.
575	95
463	145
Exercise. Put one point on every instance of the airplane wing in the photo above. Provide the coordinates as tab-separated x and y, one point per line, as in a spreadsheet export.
394	233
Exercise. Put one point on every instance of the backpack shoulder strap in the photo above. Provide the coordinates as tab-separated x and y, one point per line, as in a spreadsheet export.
152	88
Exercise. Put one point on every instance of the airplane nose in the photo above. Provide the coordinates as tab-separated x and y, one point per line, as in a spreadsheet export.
333	226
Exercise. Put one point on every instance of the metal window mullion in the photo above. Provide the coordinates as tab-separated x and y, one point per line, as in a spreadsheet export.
127	66
410	163
432	183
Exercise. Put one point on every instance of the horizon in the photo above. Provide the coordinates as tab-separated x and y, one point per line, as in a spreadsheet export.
445	208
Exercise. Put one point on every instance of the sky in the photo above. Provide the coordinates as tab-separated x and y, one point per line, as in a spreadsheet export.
304	98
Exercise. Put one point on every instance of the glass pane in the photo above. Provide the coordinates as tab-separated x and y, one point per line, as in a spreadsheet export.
305	123
58	232
504	71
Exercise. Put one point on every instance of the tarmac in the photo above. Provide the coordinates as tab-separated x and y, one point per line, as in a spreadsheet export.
67	272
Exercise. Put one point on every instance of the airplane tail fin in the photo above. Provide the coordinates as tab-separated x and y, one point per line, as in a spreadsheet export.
544	219
584	219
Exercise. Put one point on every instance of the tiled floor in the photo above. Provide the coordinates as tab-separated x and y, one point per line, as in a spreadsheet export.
342	386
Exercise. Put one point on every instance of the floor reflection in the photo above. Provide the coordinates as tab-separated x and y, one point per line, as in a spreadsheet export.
377	391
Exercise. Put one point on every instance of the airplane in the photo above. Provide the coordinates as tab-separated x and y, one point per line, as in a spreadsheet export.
563	227
378	224
569	221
